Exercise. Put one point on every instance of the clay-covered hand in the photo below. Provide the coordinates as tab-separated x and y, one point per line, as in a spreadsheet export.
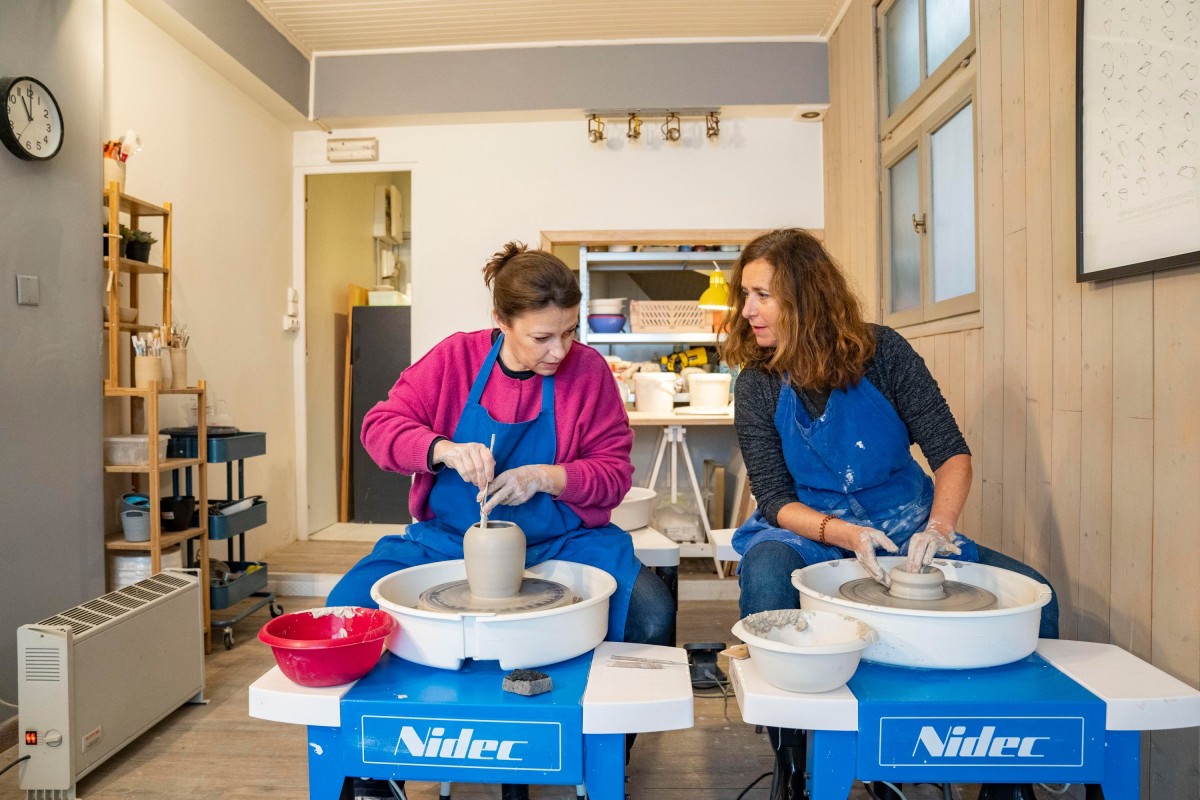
865	541
936	539
517	485
471	460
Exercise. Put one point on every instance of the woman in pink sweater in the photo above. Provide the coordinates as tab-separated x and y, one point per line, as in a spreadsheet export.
560	463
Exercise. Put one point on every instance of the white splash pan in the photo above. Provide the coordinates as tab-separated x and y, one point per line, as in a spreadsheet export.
517	641
936	639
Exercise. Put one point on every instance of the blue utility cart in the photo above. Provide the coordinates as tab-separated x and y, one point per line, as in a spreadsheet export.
249	581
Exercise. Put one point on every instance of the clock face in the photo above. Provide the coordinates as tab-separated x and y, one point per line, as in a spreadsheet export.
32	126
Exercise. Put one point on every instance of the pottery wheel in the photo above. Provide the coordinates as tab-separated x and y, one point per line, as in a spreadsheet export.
959	596
536	594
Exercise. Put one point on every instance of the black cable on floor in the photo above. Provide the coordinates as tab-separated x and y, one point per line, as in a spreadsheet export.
13	764
753	783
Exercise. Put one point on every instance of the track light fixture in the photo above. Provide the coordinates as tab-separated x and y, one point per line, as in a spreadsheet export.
712	124
672	126
595	129
633	129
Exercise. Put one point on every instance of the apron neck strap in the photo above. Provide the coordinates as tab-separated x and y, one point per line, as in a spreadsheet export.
481	379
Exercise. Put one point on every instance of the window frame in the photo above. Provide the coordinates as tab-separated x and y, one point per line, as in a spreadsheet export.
958	94
929	83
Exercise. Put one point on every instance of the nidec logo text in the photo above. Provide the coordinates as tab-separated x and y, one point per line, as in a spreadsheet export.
986	744
435	744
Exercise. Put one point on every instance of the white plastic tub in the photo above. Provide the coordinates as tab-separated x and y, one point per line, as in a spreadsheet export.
654	392
709	390
518	641
937	639
635	510
819	658
132	450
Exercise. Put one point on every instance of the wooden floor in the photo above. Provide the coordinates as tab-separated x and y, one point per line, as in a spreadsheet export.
217	751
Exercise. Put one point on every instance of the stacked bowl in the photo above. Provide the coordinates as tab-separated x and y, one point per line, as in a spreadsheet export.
606	315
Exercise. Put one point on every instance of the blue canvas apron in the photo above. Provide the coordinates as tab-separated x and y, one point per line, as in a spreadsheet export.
853	462
552	529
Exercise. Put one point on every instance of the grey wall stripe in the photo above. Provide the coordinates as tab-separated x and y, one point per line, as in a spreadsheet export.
242	32
608	77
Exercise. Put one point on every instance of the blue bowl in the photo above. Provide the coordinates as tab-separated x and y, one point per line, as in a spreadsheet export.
606	323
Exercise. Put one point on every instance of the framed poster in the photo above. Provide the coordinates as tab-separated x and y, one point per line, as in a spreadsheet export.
1138	137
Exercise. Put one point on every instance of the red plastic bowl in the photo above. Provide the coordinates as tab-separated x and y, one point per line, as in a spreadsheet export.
328	646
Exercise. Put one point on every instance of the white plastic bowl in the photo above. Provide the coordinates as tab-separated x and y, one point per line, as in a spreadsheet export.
518	641
937	639
635	510
820	658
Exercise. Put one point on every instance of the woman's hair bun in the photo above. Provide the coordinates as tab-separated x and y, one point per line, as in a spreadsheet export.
502	257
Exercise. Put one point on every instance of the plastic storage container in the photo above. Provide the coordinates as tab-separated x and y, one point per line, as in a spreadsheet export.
135	524
132	450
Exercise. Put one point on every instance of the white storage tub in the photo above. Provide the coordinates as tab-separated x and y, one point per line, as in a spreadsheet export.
518	641
132	450
937	639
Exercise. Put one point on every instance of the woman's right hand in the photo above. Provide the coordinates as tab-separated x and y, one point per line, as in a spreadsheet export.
471	460
864	541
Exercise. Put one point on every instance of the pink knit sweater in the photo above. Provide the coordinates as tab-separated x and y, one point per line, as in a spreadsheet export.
592	429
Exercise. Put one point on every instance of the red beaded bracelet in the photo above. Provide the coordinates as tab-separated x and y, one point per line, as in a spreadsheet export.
821	530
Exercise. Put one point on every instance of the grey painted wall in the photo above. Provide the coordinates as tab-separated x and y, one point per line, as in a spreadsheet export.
242	32
51	483
599	77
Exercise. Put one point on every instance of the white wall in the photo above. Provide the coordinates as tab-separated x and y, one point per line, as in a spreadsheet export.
224	164
477	186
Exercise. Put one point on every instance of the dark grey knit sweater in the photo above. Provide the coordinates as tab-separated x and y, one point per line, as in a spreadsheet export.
896	370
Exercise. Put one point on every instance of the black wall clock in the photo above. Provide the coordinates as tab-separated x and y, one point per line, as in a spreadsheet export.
32	126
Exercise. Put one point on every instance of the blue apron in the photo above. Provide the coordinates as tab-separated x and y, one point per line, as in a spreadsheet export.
853	462
552	529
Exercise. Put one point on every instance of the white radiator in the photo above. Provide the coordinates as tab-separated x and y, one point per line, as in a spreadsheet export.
94	677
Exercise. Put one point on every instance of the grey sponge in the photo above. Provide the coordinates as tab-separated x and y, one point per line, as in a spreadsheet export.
527	682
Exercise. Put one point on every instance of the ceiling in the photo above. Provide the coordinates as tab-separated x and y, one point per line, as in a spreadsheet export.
316	26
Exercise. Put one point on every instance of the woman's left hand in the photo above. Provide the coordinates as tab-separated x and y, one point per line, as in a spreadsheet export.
517	485
938	537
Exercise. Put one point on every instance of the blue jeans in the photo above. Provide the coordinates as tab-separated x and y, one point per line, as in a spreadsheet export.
766	581
651	618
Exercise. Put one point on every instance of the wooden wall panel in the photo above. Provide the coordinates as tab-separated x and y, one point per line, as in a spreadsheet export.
1078	400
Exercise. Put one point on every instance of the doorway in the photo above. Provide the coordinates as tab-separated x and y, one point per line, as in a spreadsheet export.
354	257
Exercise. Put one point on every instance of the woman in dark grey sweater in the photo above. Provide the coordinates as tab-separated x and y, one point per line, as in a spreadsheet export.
827	408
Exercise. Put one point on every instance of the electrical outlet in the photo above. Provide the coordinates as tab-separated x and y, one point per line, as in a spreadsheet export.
290	323
28	293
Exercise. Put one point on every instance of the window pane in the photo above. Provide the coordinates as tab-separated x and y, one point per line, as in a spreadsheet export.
952	160
903	52
904	201
947	24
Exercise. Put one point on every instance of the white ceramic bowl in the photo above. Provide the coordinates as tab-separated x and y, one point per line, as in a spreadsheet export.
819	658
635	510
937	639
607	305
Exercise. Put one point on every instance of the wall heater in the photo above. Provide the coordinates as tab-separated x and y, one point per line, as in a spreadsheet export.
94	677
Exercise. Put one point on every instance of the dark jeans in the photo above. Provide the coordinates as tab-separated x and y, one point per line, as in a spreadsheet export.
766	581
651	618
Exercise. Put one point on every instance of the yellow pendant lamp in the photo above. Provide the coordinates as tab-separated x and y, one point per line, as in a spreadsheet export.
716	296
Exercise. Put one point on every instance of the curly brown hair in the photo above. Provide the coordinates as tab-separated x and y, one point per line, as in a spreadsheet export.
823	341
524	280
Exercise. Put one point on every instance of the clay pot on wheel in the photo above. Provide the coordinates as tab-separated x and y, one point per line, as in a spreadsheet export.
495	559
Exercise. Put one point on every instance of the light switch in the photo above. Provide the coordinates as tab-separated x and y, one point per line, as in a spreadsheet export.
28	293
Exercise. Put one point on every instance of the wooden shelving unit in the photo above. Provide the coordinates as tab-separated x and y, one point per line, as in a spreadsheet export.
145	402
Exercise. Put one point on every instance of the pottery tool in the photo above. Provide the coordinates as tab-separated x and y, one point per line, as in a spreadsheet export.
483	514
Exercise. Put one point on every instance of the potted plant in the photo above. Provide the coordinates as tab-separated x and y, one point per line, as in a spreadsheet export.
138	248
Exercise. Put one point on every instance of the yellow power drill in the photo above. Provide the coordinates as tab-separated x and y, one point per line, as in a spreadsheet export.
695	357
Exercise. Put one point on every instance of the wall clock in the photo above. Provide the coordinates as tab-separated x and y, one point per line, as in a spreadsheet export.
32	126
